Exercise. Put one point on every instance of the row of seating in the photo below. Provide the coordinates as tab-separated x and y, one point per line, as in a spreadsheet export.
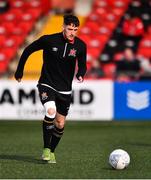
15	25
100	25
144	47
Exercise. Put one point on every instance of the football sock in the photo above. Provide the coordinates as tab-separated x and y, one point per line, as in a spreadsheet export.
47	131
56	136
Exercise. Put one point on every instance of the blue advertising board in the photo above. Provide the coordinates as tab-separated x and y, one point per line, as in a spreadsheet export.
132	101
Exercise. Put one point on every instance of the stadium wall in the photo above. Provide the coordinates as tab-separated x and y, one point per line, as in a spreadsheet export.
92	100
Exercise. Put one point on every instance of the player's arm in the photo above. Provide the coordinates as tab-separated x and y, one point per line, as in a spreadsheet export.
35	46
82	67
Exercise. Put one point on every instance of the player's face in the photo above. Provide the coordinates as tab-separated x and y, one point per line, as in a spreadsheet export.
70	31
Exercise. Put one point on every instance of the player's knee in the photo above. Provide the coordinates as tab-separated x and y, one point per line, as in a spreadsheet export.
50	108
60	124
51	112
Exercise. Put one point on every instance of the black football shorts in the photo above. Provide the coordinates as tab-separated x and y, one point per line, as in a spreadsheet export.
62	101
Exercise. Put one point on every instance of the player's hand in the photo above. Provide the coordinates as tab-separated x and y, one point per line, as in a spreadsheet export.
18	76
80	79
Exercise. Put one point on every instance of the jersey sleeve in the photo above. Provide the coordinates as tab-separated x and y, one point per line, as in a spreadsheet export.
35	46
82	68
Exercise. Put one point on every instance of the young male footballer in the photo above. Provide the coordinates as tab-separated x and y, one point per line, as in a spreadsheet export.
61	51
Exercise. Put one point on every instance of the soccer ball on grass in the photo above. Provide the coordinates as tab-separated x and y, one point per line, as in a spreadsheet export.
119	159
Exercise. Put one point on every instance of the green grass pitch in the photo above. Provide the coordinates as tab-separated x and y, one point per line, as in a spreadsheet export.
82	153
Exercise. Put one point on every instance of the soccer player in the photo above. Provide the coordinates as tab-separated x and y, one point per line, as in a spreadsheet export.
61	51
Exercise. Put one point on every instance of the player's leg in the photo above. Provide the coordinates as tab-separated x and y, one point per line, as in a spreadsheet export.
56	135
57	131
62	105
48	125
47	98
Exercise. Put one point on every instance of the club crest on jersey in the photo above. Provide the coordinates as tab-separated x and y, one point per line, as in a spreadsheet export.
44	96
72	52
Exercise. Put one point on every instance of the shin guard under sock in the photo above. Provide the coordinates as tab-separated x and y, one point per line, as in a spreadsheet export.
47	131
56	136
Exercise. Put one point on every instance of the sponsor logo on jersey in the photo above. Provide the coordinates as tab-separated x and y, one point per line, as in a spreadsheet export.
55	49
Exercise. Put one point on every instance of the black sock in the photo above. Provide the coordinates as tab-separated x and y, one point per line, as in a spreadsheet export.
56	136
47	131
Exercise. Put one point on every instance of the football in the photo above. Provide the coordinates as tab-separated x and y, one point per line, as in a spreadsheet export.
119	159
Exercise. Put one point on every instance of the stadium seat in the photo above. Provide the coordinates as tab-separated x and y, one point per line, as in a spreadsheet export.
85	38
9	26
9	16
18	39
9	42
17	31
104	30
34	4
17	4
26	25
85	30
3	30
2	40
36	13
27	16
146	52
145	43
10	53
118	12
93	53
92	25
3	62
17	13
109	70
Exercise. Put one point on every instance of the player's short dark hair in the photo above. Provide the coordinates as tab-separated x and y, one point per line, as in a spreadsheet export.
71	19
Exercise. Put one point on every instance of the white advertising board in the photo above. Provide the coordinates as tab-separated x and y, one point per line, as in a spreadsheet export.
92	100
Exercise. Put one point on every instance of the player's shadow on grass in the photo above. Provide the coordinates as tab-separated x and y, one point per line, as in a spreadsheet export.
22	158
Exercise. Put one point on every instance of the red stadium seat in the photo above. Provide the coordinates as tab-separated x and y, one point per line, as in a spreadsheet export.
34	4
9	16
19	39
93	52
10	53
99	3
145	52
18	31
100	11
27	16
3	62
85	30
104	30
17	13
10	43
3	30
9	26
35	12
85	38
109	70
17	4
145	43
93	17
92	25
2	40
26	26
117	11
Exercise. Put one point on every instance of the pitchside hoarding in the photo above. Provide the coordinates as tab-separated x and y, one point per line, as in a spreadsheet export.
132	101
92	100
